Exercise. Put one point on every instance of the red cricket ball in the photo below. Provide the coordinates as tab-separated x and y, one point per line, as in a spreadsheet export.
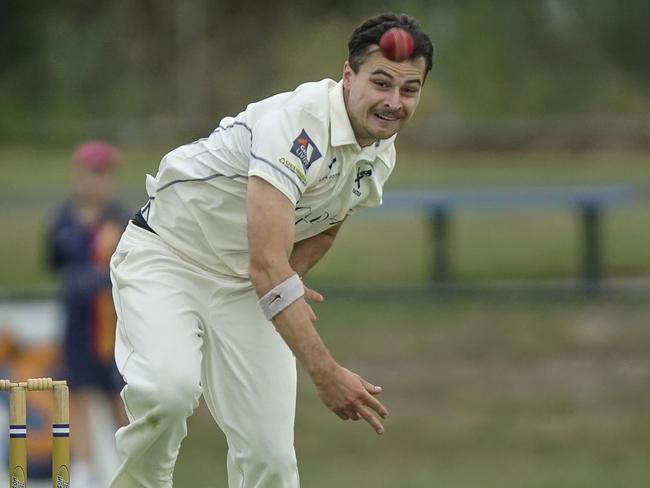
396	44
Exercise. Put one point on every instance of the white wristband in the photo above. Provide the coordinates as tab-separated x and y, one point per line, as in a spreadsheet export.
281	296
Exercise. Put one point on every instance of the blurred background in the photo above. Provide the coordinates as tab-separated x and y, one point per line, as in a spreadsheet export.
502	294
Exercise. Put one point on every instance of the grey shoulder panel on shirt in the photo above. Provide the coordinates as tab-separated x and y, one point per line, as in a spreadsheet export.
285	173
205	178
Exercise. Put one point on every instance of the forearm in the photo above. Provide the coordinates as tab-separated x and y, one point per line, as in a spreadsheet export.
274	261
270	236
298	331
294	323
307	253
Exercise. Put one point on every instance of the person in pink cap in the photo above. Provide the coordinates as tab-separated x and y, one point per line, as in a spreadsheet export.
80	241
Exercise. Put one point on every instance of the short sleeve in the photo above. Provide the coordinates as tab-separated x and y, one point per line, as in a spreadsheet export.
282	151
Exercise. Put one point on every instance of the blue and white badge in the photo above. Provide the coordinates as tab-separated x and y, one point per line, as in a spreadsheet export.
305	149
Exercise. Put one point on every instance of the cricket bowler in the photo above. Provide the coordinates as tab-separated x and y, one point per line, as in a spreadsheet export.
207	277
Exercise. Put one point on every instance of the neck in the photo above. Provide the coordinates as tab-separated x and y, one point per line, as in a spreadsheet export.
362	141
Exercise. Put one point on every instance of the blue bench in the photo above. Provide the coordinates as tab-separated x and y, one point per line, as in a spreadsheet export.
588	201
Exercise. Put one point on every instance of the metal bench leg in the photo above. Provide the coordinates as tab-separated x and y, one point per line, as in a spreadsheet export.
440	227
592	262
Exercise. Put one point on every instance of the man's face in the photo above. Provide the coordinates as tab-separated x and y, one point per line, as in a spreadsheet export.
382	96
94	185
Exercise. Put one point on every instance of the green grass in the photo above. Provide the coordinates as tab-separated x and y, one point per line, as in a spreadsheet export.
482	393
22	248
33	168
630	255
485	245
463	169
489	394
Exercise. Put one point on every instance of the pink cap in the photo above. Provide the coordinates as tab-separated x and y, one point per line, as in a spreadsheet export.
96	154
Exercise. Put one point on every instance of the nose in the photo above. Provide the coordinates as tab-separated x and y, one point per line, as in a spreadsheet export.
393	100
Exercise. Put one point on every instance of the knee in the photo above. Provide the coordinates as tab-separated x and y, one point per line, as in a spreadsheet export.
178	396
172	397
273	460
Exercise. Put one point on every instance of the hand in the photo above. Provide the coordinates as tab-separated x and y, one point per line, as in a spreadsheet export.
106	240
314	296
351	397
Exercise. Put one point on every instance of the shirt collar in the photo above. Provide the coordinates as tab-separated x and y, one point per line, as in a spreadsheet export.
341	133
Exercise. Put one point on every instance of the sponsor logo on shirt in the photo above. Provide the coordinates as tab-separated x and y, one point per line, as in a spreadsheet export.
295	169
361	174
331	175
305	149
312	218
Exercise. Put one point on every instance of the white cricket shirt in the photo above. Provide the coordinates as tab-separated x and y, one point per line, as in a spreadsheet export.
301	142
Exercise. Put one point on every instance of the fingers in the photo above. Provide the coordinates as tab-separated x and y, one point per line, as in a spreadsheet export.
370	388
371	403
348	415
361	402
376	405
365	411
369	417
313	295
342	415
312	314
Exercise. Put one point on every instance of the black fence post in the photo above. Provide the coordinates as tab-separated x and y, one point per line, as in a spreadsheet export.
440	226
592	259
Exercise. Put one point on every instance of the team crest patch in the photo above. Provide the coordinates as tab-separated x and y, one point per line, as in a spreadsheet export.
305	149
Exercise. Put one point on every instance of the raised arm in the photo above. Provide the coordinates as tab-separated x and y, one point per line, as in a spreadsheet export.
270	235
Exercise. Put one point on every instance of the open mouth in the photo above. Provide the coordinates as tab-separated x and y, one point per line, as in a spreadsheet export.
387	117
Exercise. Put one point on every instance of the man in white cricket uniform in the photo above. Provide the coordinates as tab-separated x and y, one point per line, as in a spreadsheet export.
240	215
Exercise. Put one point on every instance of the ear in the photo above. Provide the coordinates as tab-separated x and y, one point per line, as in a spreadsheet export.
347	74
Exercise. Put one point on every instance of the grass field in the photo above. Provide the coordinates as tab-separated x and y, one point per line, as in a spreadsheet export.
486	245
29	168
482	393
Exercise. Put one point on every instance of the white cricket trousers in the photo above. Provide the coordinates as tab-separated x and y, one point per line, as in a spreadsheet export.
183	331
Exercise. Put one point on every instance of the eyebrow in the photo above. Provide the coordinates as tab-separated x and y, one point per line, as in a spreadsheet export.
386	73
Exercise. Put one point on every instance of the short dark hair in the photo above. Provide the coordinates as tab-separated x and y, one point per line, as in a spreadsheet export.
371	30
